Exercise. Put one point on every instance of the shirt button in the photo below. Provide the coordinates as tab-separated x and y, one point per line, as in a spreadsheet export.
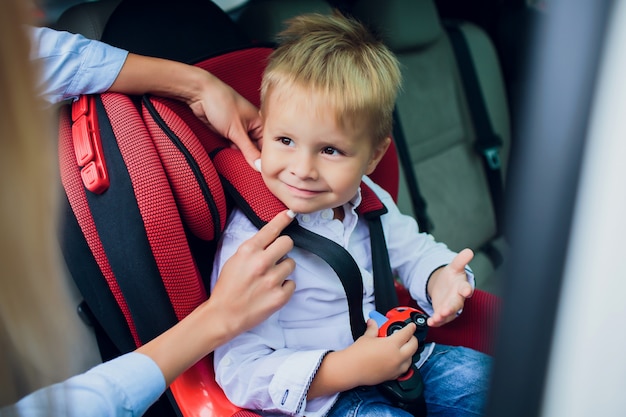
306	218
327	214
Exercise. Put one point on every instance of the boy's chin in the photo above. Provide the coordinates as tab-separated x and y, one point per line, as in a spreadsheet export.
305	208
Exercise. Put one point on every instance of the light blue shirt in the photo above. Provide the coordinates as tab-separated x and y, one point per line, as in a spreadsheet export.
71	65
271	367
124	386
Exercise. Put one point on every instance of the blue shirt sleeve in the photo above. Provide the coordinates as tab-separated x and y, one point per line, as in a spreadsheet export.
125	386
71	64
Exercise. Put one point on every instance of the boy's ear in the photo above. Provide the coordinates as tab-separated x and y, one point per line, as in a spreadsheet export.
377	154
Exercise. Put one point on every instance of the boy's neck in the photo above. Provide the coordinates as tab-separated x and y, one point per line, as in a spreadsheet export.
339	213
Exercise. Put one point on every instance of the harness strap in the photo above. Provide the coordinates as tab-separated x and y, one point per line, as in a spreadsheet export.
417	200
488	143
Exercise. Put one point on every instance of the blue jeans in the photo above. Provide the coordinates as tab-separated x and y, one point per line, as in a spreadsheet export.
456	381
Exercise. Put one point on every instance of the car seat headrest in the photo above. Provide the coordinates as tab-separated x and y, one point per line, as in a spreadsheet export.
403	24
195	183
88	19
185	30
263	19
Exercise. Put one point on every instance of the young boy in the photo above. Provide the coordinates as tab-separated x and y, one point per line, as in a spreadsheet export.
327	98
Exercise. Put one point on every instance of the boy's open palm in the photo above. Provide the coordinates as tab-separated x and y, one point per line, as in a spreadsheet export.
448	288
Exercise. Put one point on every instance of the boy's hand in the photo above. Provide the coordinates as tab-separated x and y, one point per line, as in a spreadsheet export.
448	288
369	361
378	359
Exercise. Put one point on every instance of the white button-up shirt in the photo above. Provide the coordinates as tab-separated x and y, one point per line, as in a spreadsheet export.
270	367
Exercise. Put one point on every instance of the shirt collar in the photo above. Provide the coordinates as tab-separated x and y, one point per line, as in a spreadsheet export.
327	214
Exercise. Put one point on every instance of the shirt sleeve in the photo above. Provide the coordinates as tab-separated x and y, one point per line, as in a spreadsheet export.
414	256
124	386
70	64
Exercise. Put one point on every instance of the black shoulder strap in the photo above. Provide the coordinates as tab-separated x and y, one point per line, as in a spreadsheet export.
344	266
384	289
418	202
488	143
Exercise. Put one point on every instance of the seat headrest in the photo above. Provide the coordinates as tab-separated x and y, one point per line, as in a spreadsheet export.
184	30
88	18
403	24
263	19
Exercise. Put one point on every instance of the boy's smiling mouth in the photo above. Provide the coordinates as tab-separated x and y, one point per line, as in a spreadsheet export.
301	192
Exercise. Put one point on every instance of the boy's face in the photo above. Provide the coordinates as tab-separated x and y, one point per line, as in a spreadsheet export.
308	161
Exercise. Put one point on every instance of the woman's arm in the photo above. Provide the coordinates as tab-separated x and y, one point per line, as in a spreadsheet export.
71	65
256	287
211	100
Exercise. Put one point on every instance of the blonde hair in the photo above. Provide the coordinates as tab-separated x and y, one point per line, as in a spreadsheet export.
339	58
35	309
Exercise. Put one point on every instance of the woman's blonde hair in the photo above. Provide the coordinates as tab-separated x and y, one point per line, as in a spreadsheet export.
35	309
339	58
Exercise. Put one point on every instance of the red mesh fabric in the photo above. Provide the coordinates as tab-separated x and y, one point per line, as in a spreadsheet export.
369	200
75	190
157	206
387	173
241	69
249	184
207	137
194	207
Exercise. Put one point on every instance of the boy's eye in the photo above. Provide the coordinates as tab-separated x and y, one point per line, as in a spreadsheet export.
330	151
285	141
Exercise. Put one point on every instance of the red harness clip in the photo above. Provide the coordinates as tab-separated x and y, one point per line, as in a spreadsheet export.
88	145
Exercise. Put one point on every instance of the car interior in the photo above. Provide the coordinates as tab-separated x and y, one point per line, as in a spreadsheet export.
452	163
444	181
441	174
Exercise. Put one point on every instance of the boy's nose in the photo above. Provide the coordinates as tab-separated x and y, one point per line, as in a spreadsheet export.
302	166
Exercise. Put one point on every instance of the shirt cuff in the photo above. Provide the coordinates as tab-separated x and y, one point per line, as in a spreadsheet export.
428	308
290	384
101	65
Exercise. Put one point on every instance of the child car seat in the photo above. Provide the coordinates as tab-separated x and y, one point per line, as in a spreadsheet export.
142	222
150	220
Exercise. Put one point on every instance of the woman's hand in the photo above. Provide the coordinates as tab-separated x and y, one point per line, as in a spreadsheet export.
253	282
210	99
256	287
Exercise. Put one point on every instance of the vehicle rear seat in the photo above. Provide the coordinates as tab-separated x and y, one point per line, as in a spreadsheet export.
434	116
262	19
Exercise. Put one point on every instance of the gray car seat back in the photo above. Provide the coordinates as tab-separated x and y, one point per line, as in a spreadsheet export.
437	125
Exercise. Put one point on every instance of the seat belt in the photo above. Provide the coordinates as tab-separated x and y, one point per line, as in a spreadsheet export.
488	143
385	295
417	200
